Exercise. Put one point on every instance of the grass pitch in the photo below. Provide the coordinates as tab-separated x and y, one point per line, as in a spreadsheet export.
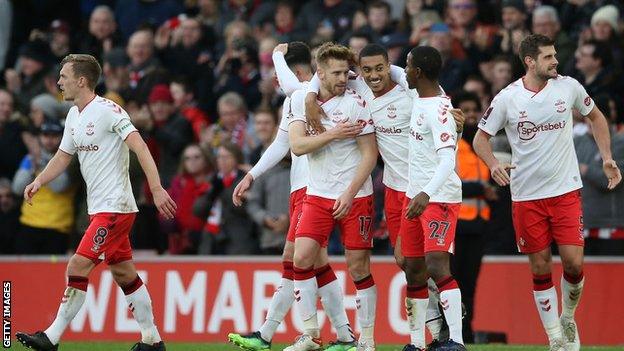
112	346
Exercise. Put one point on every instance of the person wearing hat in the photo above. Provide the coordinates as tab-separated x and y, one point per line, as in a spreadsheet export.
171	130
45	226
60	39
27	82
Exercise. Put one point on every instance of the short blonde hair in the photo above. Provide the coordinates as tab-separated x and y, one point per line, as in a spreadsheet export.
334	51
84	66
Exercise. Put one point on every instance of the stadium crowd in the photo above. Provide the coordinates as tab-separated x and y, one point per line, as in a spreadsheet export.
197	80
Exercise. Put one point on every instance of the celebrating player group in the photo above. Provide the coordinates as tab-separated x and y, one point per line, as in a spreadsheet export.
335	123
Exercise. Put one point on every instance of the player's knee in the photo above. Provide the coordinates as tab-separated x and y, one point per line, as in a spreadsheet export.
437	267
415	271
573	268
542	266
303	259
79	266
358	269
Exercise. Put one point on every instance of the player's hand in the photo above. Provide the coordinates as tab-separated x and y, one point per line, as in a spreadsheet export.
31	190
417	205
342	205
283	48
459	117
346	130
165	205
241	188
500	173
314	113
612	172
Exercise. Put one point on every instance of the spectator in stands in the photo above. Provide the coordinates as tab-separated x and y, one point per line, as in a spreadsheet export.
192	181
208	12
102	34
284	23
595	72
232	124
514	29
186	105
474	212
265	126
60	39
546	22
501	74
241	73
476	84
469	36
9	218
395	43
358	41
267	205
186	51
145	69
605	27
47	223
172	132
379	21
34	61
11	144
230	230
416	18
116	76
326	18
603	211
235	10
132	14
454	71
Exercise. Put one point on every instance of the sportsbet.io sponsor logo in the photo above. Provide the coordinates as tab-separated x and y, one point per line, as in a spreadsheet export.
90	147
527	129
388	130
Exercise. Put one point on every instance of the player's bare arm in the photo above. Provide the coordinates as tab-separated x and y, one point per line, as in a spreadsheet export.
165	205
367	145
53	169
498	170
600	129
301	143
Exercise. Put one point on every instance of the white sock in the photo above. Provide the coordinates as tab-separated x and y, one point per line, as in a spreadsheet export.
305	297
366	301
416	316
332	300
283	298
70	305
570	297
546	303
434	316
140	304
451	305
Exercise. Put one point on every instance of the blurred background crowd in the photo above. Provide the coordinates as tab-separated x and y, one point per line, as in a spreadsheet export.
197	79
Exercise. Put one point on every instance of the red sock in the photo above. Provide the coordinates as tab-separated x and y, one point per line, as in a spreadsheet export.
542	281
288	270
573	279
324	275
446	283
418	291
78	282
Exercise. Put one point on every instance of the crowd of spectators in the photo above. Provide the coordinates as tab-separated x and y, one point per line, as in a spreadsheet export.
197	80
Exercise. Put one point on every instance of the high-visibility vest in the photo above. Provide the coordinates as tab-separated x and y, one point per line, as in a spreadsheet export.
471	168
